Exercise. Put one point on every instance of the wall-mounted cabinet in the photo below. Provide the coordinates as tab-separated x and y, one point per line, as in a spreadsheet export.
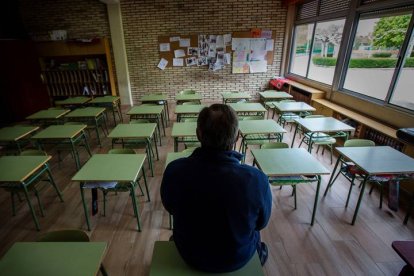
74	68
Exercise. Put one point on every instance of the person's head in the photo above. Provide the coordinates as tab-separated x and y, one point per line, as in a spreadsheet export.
217	127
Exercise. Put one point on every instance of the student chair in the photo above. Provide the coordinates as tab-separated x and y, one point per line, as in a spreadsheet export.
167	261
126	187
69	235
187	92
286	118
191	142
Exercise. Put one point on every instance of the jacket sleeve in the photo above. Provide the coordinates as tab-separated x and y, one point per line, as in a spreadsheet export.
265	202
166	191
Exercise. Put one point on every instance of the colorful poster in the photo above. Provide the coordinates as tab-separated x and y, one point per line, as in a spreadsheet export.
240	44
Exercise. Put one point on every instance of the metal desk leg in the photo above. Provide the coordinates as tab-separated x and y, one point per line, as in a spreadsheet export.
155	145
315	204
75	154
145	183
332	175
26	194
85	208
52	181
149	152
294	135
97	132
85	140
135	204
175	144
162	124
361	194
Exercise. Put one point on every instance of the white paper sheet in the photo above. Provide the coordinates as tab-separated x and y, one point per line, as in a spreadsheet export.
212	50
258	66
178	62
258	55
164	47
241	56
179	53
201	61
240	44
227	58
174	38
269	44
227	39
162	64
266	34
258	44
219	41
184	42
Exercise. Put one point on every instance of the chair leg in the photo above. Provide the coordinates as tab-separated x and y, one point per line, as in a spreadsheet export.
103	271
381	194
52	181
294	191
31	208
135	206
36	192
104	202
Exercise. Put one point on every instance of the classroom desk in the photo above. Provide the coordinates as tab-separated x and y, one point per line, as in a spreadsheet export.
64	134
234	97
273	95
110	102
291	162
53	258
259	130
248	109
48	115
91	116
25	170
180	131
15	134
158	98
325	124
184	111
180	98
152	113
374	161
145	131
73	101
111	168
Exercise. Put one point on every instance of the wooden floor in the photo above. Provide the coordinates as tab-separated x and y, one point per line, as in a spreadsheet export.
330	247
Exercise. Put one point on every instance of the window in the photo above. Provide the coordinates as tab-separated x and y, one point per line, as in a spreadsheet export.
326	42
375	52
302	45
403	94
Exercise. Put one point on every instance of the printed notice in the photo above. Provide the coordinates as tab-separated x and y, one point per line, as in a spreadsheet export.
184	42
162	64
178	62
258	66
164	47
174	38
269	44
179	53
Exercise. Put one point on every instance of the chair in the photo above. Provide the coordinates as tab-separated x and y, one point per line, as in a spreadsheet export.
125	187
351	172
167	261
65	146
187	91
40	175
70	235
288	117
319	139
191	142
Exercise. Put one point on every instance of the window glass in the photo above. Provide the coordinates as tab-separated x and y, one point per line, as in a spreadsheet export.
374	54
326	44
301	49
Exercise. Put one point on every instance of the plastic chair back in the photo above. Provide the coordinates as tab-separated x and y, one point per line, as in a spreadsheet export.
121	151
187	91
314	116
274	145
139	121
33	152
359	143
65	236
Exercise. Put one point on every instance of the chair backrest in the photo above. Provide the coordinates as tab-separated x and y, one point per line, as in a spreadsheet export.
121	151
33	152
187	91
190	120
314	116
274	145
139	121
249	118
65	236
359	143
191	103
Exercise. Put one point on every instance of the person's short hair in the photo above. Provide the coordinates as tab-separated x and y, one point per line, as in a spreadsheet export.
217	127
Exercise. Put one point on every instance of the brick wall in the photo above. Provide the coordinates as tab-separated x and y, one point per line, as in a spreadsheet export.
145	20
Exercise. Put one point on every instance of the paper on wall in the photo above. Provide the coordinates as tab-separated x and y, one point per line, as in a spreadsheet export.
212	39
258	44
227	39
179	53
203	45
227	58
241	56
201	61
258	66
178	62
191	61
192	51
184	42
162	64
219	41
258	55
174	38
240	44
266	34
164	47
269	44
240	68
212	50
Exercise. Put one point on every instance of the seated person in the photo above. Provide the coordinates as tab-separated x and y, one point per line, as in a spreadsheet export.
218	204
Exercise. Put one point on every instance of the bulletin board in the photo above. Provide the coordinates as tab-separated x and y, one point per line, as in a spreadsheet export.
175	45
248	34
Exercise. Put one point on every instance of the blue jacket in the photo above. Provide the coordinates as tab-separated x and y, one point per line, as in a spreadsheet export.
219	206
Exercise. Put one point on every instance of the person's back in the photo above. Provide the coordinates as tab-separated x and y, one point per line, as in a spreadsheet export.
218	204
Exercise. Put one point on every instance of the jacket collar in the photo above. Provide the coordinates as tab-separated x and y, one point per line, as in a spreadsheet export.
231	155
